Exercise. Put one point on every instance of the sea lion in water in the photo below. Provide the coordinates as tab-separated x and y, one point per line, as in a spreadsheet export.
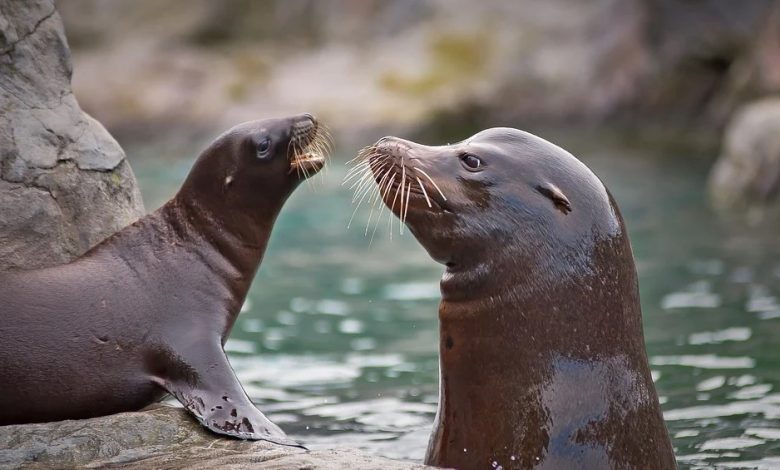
147	311
542	356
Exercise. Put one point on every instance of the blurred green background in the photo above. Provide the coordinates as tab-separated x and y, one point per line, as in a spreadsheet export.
338	340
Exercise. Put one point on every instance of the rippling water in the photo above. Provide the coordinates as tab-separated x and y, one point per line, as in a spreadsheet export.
337	342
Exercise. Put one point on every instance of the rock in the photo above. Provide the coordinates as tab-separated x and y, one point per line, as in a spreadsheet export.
747	174
388	67
160	437
708	58
64	182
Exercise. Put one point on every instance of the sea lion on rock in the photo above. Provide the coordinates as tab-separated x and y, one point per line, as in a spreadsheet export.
542	356
148	310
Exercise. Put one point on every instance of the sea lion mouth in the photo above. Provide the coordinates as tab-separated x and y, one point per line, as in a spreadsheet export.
310	144
418	185
385	171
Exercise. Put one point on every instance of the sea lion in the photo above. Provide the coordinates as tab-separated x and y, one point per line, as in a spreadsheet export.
147	311
542	356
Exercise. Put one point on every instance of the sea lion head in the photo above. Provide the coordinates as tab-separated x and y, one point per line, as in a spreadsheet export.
501	196
257	164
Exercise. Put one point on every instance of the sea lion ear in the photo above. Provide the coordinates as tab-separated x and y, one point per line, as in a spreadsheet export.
556	196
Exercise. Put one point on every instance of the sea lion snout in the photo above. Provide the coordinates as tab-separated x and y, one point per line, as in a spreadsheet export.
403	169
309	143
396	147
304	124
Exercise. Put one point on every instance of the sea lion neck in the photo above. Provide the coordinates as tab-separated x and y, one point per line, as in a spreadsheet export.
484	274
517	293
506	348
240	239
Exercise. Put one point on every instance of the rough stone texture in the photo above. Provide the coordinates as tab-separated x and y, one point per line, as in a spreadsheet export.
64	181
747	174
395	66
708	58
361	67
160	437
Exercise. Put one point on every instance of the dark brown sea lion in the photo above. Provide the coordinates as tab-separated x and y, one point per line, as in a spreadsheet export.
148	310
542	356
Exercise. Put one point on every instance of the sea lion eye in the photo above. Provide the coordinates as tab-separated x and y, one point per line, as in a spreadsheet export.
471	162
263	147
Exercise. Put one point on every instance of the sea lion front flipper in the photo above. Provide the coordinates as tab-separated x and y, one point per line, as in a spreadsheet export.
209	389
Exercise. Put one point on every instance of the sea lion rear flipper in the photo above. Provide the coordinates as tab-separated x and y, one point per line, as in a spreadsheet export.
209	389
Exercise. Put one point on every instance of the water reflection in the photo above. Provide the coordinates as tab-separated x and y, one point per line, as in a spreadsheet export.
338	341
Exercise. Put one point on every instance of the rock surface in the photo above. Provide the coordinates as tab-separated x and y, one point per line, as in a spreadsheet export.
64	181
387	65
161	437
746	177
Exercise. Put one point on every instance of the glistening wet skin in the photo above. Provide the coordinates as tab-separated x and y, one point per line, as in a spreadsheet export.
543	293
354	348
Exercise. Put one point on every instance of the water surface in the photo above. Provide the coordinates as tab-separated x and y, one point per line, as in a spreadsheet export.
337	342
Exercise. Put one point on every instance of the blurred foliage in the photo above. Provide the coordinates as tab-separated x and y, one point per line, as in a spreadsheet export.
455	57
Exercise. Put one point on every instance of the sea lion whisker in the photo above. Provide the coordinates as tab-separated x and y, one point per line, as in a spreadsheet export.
323	135
368	164
432	182
373	200
299	151
379	217
403	183
365	182
384	178
361	191
356	175
423	190
358	206
364	186
362	153
362	166
362	157
354	171
406	209
376	197
392	207
365	177
320	150
305	171
296	153
324	142
368	176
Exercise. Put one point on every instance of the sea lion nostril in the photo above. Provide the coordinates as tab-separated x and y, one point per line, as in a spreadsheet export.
308	118
309	144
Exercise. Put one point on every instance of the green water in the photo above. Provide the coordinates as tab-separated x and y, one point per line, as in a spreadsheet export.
338	340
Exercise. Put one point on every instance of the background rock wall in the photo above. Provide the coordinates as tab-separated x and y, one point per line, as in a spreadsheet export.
64	181
371	64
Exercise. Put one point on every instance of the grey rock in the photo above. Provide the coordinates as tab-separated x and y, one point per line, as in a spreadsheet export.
746	177
161	437
64	182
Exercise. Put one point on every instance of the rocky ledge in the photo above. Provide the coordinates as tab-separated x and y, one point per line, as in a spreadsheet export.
161	437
